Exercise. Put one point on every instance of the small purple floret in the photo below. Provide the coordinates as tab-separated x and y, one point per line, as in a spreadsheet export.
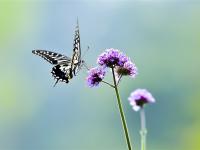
111	58
128	68
140	97
95	76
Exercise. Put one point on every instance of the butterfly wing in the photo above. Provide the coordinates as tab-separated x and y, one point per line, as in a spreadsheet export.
61	72
76	57
52	57
77	45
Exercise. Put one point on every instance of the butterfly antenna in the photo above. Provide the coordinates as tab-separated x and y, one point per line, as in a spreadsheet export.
85	52
86	66
77	25
56	82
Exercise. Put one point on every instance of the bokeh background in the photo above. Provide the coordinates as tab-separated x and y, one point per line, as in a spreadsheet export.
161	36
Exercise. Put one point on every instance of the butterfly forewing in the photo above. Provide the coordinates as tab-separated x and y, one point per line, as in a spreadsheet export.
52	57
77	46
76	57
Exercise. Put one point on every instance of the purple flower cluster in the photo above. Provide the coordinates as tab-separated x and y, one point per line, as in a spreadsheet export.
95	76
140	97
111	58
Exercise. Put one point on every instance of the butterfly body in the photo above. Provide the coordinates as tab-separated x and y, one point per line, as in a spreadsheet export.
64	67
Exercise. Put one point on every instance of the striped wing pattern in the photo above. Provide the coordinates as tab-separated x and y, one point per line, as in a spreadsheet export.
76	57
77	46
52	57
64	67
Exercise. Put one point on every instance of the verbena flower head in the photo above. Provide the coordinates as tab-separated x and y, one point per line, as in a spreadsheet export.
95	76
111	58
140	97
128	68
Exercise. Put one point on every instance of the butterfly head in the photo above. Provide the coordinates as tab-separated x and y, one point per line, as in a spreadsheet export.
82	61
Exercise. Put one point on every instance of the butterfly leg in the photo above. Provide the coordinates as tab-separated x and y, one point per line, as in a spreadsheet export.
85	65
56	82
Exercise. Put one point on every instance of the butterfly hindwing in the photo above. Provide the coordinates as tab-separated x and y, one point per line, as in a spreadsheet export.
61	72
52	57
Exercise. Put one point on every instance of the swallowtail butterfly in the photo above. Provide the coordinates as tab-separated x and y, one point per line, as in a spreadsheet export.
64	67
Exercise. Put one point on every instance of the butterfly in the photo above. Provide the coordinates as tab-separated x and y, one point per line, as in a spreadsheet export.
64	67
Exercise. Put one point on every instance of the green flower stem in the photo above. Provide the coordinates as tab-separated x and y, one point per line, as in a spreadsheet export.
119	79
108	83
121	113
143	131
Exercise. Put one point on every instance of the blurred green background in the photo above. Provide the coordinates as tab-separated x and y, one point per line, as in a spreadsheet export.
162	37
